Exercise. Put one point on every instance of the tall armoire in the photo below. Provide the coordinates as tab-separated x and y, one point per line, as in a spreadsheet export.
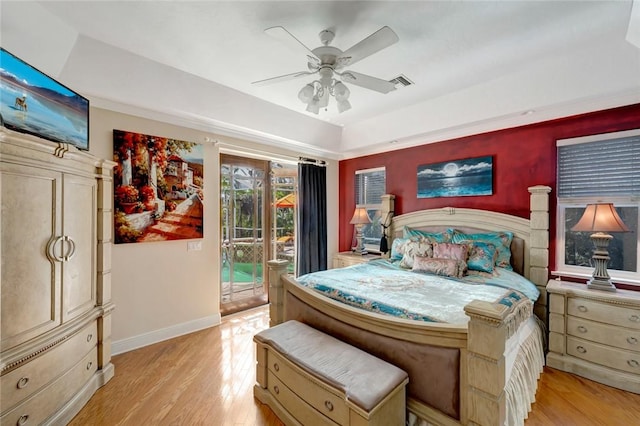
56	238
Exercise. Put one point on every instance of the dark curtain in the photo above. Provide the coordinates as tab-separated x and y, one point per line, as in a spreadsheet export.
312	218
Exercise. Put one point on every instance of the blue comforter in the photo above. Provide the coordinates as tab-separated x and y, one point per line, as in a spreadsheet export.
383	287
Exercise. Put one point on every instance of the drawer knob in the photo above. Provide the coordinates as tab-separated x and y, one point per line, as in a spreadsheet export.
634	318
276	366
581	349
23	420
582	329
89	337
328	405
632	340
582	308
23	382
633	363
89	365
276	389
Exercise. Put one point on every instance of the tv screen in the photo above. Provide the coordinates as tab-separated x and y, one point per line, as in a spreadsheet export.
32	102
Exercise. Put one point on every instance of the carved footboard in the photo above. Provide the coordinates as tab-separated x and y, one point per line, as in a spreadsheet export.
457	374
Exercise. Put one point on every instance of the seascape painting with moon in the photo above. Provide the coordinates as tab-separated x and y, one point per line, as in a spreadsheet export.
469	177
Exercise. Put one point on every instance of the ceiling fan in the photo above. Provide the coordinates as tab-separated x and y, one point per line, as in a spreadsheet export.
328	62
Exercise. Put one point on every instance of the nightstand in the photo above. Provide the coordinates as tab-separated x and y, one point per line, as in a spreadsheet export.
595	334
348	258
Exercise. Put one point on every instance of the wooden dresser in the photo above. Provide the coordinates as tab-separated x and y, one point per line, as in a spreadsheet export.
348	258
56	227
595	334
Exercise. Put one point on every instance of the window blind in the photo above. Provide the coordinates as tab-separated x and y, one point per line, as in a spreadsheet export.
370	186
600	168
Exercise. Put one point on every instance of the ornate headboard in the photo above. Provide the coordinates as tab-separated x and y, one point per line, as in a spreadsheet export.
530	246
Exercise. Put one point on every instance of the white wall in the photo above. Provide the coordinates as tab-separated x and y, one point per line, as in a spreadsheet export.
160	289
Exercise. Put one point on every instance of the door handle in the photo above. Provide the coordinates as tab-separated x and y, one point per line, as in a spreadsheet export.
51	249
72	248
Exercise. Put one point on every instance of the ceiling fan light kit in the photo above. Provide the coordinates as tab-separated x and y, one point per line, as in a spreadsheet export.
306	93
326	61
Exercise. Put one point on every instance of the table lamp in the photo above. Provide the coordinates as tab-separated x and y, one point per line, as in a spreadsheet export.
360	219
600	218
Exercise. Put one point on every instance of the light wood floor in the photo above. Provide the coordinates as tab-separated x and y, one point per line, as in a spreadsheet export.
206	378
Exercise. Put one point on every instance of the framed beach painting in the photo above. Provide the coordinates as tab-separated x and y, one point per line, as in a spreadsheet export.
158	188
460	178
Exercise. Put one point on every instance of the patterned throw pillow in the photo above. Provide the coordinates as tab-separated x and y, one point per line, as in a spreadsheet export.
446	267
397	248
432	237
501	240
451	251
415	248
482	257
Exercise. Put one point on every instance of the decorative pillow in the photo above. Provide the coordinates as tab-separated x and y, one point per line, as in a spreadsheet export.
451	251
432	237
446	267
482	257
501	240
415	248
397	248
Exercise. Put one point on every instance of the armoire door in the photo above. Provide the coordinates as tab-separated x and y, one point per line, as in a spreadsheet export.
79	231
31	277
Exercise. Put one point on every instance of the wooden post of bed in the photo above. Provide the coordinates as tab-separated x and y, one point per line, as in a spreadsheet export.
539	240
277	268
491	325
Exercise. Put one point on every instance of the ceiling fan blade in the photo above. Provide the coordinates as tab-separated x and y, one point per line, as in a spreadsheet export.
281	78
290	40
377	41
368	82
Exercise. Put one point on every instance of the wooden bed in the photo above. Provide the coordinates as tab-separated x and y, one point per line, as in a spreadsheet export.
457	373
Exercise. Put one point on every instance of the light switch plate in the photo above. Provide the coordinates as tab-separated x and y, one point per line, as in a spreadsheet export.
194	245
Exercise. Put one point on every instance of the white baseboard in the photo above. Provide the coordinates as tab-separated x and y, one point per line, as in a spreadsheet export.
135	342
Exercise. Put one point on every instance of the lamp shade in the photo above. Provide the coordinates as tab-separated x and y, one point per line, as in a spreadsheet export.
360	216
344	106
341	91
314	105
306	93
600	218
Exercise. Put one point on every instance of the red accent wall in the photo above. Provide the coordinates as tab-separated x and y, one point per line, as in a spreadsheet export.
522	157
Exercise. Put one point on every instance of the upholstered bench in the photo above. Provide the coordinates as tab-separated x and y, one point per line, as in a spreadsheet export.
310	378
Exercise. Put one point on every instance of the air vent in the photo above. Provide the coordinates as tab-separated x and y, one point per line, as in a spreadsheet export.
401	81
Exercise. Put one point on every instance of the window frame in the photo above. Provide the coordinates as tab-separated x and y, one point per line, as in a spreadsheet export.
573	271
374	248
582	272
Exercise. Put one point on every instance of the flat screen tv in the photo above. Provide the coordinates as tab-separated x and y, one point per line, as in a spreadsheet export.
32	102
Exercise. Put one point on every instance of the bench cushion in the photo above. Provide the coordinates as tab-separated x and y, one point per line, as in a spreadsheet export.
364	379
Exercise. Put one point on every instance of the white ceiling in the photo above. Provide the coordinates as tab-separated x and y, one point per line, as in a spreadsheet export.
476	65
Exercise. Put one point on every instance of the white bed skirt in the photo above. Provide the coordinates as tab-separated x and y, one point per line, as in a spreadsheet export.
524	359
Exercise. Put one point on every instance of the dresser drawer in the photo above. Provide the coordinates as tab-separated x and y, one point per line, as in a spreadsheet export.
296	406
604	312
39	407
24	381
604	355
624	338
311	391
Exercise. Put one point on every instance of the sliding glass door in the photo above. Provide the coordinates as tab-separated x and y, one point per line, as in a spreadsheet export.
243	186
258	211
284	190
